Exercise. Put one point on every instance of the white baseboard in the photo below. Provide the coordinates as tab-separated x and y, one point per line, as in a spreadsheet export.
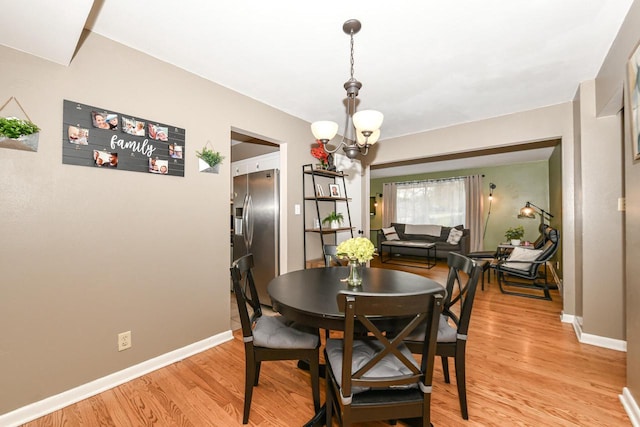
567	318
610	343
69	397
631	407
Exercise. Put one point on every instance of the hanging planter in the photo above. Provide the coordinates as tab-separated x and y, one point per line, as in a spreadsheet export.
18	134
205	167
209	160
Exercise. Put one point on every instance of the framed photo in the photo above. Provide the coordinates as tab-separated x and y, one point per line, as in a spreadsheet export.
334	190
633	88
319	190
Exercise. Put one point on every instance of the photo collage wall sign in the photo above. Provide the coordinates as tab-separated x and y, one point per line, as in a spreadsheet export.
107	139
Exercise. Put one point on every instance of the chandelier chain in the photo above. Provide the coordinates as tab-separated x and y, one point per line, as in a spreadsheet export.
352	62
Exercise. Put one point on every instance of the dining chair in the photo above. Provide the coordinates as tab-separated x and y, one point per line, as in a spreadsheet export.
270	337
331	256
454	321
373	376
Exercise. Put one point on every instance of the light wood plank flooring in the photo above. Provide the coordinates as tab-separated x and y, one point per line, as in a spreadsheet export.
524	368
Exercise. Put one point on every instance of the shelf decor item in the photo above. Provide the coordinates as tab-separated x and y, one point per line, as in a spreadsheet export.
514	234
334	219
16	133
209	160
358	250
323	157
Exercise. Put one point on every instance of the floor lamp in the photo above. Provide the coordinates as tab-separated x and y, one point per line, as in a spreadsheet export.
530	210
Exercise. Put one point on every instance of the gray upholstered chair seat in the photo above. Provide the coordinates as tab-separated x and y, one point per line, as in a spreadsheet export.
276	332
446	332
364	351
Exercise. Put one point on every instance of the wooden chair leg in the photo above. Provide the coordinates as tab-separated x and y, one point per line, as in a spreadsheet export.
328	400
250	379
445	369
461	382
257	374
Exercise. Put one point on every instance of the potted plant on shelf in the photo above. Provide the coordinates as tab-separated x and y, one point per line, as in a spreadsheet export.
514	234
19	134
334	219
209	160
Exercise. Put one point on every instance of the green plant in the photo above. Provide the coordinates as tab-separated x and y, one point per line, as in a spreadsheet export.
12	127
209	156
514	233
333	216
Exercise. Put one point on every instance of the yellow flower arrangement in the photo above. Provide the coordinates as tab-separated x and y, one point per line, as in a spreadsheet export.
357	248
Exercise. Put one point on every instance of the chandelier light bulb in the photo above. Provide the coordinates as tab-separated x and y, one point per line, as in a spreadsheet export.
324	130
368	120
372	139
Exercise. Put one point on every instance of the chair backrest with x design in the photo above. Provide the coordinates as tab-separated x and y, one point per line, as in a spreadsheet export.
331	256
461	290
246	293
370	360
269	338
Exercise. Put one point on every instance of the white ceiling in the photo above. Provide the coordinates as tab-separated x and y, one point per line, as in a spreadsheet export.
425	64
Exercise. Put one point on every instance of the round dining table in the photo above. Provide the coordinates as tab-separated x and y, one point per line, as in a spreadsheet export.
309	296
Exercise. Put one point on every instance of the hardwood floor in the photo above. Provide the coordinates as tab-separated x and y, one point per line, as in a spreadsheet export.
524	368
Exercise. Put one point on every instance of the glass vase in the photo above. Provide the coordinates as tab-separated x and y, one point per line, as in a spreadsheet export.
355	274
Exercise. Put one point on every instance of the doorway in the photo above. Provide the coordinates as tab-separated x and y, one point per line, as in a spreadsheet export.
251	158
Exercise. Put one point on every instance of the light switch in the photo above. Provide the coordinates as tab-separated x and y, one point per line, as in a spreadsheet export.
297	209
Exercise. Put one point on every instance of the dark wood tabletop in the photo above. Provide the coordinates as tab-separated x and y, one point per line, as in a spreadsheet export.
309	296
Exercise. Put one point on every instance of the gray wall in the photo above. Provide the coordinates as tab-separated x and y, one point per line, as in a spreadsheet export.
609	90
89	253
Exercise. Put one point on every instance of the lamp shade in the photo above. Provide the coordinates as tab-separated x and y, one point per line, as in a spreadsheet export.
527	211
371	140
368	120
324	130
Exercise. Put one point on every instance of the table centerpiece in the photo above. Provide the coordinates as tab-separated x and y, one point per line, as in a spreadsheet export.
357	250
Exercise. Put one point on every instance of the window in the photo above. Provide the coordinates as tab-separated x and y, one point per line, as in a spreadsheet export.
440	202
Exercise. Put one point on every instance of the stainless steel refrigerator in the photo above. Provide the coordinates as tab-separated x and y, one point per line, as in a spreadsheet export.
256	212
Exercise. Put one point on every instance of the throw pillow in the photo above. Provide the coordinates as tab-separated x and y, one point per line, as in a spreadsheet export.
390	233
522	254
454	236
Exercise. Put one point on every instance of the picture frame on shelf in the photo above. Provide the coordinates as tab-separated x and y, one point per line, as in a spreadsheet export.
334	190
633	88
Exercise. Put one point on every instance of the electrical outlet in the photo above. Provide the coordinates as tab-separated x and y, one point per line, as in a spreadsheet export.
124	340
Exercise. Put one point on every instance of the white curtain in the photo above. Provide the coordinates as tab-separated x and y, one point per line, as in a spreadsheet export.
389	190
440	202
474	207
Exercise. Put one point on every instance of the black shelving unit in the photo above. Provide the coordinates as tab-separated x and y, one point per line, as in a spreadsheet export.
311	179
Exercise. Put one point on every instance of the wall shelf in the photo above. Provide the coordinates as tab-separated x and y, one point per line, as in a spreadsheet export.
312	208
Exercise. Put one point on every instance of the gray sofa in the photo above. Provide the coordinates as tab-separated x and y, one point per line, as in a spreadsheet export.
442	247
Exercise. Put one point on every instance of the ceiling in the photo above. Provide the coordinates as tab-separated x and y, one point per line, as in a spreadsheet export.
424	64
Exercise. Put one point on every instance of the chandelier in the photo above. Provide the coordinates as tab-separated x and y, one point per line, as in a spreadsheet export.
366	124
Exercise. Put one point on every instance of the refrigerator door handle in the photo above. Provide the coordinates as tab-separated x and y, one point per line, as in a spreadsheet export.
247	220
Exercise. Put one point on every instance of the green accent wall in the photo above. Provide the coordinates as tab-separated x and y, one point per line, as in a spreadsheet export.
516	184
